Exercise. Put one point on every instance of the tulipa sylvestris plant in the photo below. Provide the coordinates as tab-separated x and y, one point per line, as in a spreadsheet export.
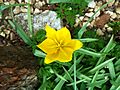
59	45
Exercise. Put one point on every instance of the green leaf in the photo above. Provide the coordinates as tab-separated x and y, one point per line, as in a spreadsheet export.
101	65
88	39
66	1
21	33
87	52
111	70
39	53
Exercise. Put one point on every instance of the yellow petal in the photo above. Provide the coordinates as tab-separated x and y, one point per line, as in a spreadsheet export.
65	54
63	34
74	44
50	32
50	58
47	60
78	44
48	46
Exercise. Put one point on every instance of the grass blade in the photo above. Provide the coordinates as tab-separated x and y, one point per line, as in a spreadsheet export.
111	70
83	51
39	53
101	65
88	39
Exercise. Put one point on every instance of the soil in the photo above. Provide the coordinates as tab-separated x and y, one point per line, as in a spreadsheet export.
17	67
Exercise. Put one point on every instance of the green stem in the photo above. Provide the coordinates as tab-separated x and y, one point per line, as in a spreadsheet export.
29	18
75	72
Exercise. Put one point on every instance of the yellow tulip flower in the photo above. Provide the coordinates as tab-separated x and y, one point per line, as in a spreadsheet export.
58	45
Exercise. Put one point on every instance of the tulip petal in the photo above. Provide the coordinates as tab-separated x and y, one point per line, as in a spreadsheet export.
78	44
48	46
47	60
50	32
63	34
51	58
74	44
65	55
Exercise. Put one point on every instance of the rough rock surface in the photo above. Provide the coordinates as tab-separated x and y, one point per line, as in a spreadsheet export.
17	69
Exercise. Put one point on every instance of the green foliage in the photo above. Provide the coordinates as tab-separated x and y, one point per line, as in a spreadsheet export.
68	1
40	35
115	26
68	11
94	67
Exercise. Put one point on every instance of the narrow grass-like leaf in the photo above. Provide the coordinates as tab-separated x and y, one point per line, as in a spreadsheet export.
3	7
21	33
93	80
29	19
111	70
82	76
87	52
82	30
61	82
65	1
101	65
117	62
118	88
108	47
88	39
98	83
68	75
61	77
39	53
117	81
77	82
75	86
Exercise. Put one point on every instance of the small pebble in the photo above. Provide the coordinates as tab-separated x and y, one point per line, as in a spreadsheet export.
23	9
89	14
99	32
16	10
114	15
118	10
109	29
36	11
92	4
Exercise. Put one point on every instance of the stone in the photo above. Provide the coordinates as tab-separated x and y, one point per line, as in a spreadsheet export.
1	1
106	26
103	19
23	9
20	1
92	23
6	3
49	17
114	15
109	12
16	10
89	14
109	29
99	32
118	10
85	23
92	4
81	18
110	4
36	11
38	4
2	34
12	1
7	31
15	63
98	13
